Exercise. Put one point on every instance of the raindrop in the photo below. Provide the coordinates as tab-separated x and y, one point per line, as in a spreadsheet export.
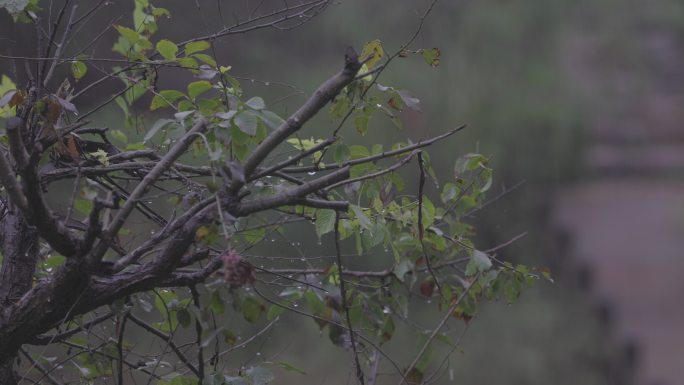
267	83
311	172
302	259
258	353
386	310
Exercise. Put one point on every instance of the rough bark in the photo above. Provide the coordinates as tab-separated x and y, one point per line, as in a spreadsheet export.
19	246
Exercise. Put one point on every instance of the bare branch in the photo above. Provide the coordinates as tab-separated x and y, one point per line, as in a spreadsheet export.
60	47
291	195
345	304
449	313
37	211
167	338
46	340
164	164
320	98
293	160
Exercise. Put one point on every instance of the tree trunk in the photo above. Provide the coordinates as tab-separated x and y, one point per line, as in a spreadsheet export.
20	248
7	374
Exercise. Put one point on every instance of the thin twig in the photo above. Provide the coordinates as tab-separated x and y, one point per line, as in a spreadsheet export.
449	313
39	366
421	228
372	158
345	304
169	340
119	347
198	334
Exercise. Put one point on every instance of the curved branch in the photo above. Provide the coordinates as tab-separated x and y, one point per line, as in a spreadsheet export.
36	209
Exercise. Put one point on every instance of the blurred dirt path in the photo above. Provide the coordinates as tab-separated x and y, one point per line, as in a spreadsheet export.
626	221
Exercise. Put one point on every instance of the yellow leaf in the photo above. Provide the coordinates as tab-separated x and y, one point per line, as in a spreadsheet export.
7	85
372	52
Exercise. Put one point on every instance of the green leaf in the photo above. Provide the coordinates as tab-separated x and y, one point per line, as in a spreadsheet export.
361	124
252	309
165	98
247	122
78	69
387	329
196	46
364	222
271	119
216	303
479	262
431	56
54	261
130	35
159	124
274	311
197	88
206	59
340	153
340	106
356	151
167	49
84	206
402	268
184	318
158	12
325	221
256	103
188	63
289	367
511	290
8	91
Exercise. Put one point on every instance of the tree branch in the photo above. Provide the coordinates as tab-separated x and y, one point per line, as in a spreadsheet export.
324	94
164	164
291	195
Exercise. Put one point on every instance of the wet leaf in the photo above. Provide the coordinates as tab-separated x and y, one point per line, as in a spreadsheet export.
247	122
167	49
197	88
372	52
431	56
196	46
325	221
252	309
78	69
